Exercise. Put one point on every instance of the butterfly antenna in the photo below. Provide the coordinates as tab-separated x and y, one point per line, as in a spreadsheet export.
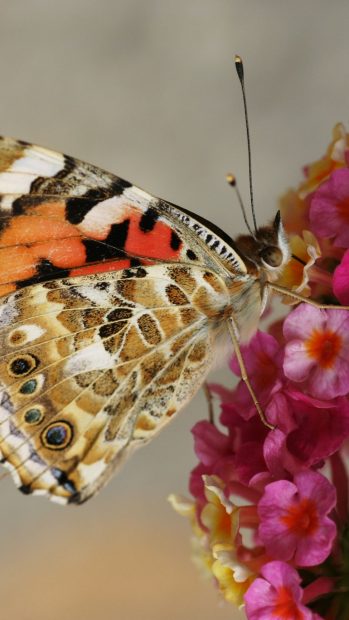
240	71
232	182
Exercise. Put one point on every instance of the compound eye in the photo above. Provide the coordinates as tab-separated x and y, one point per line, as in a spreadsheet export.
272	256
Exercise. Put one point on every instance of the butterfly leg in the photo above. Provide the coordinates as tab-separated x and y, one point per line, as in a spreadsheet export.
244	375
281	290
208	396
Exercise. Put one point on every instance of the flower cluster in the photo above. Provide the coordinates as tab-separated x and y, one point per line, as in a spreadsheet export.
270	508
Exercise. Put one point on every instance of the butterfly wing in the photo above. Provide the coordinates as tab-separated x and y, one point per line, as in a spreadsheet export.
94	366
111	301
62	217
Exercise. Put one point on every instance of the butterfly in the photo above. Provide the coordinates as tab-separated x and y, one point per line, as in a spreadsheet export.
112	305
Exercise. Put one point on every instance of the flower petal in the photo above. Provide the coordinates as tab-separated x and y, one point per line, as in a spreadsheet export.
341	280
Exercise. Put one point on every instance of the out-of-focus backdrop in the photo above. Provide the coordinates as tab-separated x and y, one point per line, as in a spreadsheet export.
147	89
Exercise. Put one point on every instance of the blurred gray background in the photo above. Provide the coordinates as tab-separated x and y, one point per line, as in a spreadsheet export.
147	89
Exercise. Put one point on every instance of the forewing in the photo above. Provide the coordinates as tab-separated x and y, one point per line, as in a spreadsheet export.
62	217
94	366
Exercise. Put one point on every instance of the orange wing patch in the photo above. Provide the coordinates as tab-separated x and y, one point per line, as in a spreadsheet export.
62	217
161	242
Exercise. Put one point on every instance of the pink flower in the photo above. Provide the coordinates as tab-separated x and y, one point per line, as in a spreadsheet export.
209	443
249	461
329	211
247	436
279	413
319	429
263	360
317	350
215	453
294	523
276	595
261	507
341	280
322	427
279	460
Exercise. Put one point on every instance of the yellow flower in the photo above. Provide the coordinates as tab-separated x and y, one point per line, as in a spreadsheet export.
296	274
219	516
294	204
232	576
319	170
294	212
216	539
202	554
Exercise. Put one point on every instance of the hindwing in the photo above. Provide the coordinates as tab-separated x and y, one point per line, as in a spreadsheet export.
94	366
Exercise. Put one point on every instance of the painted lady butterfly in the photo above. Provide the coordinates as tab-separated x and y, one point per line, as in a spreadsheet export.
111	304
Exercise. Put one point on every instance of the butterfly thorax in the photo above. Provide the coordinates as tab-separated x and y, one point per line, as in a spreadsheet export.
265	255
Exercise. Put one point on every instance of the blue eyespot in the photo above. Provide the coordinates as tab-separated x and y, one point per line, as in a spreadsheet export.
23	365
33	416
57	435
29	387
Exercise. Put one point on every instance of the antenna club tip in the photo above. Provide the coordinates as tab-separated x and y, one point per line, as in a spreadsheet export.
239	67
231	179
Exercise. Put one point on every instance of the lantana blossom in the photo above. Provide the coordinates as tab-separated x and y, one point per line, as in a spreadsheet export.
329	211
262	358
276	595
317	350
270	506
299	271
293	518
336	156
218	542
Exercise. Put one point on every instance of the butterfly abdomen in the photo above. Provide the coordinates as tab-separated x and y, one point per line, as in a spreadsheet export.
246	301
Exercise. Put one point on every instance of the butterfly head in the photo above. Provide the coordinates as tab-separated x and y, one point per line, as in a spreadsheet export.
268	249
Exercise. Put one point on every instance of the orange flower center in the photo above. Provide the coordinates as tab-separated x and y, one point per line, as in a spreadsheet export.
302	518
324	347
286	608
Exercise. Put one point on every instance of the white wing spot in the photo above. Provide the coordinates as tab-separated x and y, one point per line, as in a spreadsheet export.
8	314
22	172
93	357
24	334
89	473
